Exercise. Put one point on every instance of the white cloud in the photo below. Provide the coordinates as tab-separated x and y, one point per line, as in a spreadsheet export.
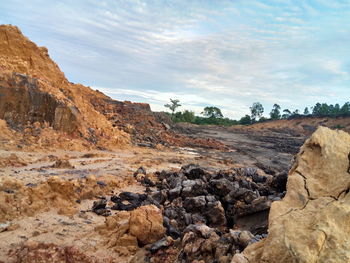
222	53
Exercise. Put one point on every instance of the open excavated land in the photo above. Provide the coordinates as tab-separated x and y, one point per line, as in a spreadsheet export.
85	178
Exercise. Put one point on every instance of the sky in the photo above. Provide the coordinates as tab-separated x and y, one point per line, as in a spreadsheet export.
222	53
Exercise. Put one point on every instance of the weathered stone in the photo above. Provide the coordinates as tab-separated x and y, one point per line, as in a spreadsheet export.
162	243
215	214
221	187
195	204
192	171
311	223
244	238
146	224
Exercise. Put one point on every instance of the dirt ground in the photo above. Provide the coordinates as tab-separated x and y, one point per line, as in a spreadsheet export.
272	152
51	225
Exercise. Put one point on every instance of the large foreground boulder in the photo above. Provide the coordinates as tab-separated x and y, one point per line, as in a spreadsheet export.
127	230
312	222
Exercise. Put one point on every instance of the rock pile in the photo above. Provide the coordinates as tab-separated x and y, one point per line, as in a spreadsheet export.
201	208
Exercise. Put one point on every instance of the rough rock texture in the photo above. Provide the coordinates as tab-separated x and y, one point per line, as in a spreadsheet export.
33	252
146	224
311	224
17	199
126	230
34	90
200	208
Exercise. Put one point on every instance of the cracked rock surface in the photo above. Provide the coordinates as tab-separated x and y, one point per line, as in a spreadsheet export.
311	224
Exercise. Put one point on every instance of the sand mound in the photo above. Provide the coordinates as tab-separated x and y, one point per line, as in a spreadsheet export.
18	200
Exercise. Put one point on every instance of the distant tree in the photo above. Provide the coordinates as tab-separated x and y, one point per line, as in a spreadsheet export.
262	119
295	113
345	109
188	116
321	109
212	112
173	105
245	120
336	109
256	111
306	111
275	113
286	114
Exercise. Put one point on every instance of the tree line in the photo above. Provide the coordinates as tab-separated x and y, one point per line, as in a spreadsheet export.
213	115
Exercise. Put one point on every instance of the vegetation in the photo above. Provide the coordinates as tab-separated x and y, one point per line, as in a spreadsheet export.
212	112
213	115
256	110
275	113
174	104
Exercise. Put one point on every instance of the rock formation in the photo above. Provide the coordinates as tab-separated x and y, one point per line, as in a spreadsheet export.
125	231
311	224
34	91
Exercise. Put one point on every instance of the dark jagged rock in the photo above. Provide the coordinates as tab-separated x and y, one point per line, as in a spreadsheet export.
279	182
141	170
128	201
99	207
160	244
200	207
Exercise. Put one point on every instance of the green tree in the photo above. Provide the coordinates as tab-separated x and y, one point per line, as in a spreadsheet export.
173	105
345	109
188	116
336	109
245	120
295	113
256	111
306	111
275	113
212	112
286	114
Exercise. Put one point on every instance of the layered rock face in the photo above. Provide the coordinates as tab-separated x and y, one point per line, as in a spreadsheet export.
311	224
33	89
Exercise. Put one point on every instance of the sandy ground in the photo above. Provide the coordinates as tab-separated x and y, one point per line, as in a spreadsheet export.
264	150
33	168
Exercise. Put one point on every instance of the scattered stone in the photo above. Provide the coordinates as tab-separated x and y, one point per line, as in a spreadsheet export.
4	226
141	170
99	207
161	244
62	164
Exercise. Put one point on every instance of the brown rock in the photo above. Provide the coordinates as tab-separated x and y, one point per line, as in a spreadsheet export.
146	224
311	224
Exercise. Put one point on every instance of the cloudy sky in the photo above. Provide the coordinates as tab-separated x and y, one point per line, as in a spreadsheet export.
220	53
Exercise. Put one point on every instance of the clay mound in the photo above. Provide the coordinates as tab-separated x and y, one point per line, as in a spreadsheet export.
33	89
17	199
311	224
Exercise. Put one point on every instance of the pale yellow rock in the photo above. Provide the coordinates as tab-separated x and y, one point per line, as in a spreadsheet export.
312	223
